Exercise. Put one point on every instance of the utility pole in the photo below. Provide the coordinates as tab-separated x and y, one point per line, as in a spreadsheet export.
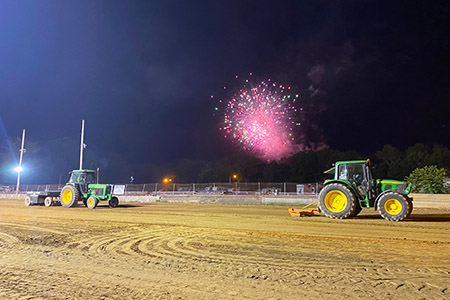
82	145
19	168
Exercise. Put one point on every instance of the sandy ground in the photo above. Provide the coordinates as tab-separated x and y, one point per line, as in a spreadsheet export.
200	251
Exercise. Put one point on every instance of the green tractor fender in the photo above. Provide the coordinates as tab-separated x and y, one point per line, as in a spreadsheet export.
404	192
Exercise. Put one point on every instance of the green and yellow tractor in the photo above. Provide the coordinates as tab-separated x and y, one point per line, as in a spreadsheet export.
353	189
83	186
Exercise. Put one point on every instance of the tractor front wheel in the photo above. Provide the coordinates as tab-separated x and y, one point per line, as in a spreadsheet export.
69	196
337	201
92	202
114	202
394	207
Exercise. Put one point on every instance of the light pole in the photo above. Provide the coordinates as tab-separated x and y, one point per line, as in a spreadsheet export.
19	167
82	145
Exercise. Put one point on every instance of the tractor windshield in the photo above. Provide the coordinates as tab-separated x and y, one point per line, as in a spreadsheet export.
354	173
83	178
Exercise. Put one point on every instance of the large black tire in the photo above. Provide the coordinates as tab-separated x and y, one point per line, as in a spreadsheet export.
92	202
48	201
114	202
394	207
69	196
337	201
28	201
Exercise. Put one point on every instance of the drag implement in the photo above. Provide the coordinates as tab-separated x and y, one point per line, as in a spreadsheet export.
304	211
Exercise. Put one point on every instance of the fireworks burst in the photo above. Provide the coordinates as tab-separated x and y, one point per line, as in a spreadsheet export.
261	118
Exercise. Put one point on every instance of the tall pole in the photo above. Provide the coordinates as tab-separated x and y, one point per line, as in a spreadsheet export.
20	161
82	145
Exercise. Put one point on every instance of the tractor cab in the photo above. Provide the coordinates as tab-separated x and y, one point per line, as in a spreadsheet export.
359	175
356	174
82	179
83	176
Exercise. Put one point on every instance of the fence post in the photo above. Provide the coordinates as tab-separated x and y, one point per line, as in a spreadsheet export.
193	188
284	187
143	189
259	188
156	188
173	191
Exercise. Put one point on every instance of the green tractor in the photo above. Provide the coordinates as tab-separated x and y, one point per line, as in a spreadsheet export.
83	186
353	189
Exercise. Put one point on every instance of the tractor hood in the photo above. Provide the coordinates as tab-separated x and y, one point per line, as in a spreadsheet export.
401	187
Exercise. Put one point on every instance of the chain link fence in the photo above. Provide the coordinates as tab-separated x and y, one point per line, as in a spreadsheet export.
234	188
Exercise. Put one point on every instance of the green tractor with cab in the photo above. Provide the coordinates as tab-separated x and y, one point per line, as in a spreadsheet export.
83	185
353	189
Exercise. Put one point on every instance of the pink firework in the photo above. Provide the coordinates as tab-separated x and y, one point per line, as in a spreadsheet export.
261	119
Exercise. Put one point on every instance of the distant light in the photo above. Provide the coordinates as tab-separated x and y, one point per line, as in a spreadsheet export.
234	176
18	169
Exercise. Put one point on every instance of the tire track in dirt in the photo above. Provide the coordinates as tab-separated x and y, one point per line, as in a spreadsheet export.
188	246
7	242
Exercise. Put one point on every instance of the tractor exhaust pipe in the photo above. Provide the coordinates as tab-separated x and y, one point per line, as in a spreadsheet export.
98	175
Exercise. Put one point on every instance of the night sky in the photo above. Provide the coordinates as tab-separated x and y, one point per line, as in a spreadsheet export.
141	73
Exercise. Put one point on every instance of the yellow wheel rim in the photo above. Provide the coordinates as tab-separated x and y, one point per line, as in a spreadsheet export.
335	201
66	196
90	202
392	206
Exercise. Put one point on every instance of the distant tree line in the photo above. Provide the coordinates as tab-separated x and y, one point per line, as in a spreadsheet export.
50	163
389	162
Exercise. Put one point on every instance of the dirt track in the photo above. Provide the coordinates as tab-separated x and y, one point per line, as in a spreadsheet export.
192	251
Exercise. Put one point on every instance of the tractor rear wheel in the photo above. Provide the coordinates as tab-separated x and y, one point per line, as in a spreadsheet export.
28	201
394	207
69	196
114	202
48	201
337	201
92	202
